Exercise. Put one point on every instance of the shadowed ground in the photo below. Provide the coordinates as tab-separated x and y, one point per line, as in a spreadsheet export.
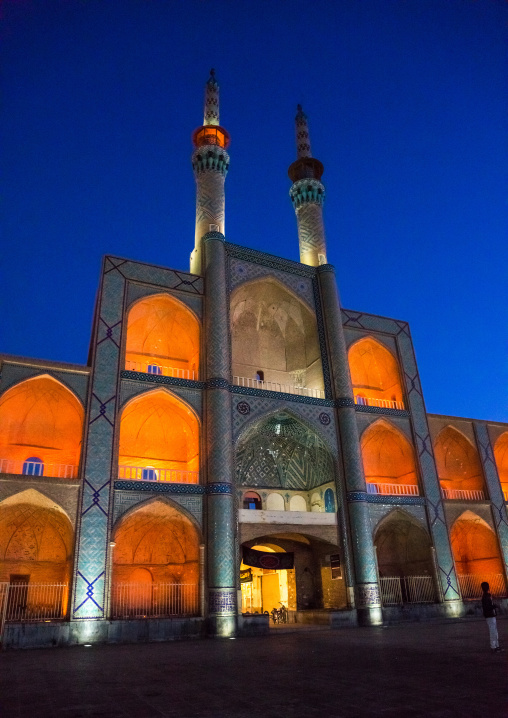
436	670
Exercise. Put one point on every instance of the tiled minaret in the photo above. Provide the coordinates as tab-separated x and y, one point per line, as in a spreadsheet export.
307	195
210	163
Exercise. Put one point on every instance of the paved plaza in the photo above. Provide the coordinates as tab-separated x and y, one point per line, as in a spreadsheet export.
436	670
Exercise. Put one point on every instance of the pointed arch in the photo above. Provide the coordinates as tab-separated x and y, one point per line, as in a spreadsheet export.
41	418
36	538
388	457
403	546
159	434
163	337
457	461
274	332
501	456
475	546
375	372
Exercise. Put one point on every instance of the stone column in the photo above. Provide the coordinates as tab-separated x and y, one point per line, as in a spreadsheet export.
367	595
221	511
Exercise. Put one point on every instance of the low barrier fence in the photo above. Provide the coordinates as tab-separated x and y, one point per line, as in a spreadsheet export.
396	590
32	602
382	403
175	476
393	489
275	386
38	468
470	585
156	600
160	370
467	494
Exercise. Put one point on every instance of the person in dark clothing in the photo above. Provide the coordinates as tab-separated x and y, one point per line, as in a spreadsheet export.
489	611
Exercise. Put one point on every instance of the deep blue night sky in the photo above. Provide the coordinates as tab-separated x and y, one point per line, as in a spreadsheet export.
407	102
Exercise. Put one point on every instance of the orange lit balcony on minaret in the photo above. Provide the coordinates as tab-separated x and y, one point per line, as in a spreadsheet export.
211	135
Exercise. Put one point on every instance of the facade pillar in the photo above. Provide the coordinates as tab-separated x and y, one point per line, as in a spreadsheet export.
221	510
367	595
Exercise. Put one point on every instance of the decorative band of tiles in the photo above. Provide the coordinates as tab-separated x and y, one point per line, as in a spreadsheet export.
159	487
280	395
325	268
160	379
219	488
269	260
381	410
218	383
343	401
396	500
222	601
356	496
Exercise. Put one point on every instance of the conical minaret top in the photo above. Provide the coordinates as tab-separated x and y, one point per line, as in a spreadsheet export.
210	163
307	195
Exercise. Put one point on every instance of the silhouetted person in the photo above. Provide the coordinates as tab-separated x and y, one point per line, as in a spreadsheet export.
489	611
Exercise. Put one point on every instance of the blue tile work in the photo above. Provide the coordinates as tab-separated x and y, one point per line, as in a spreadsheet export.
191	396
13	373
222	601
160	379
126	499
380	410
92	535
493	485
423	443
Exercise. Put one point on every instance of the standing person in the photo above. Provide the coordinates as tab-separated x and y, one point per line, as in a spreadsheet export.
489	611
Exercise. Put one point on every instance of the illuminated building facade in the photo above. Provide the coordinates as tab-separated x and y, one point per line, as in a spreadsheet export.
235	407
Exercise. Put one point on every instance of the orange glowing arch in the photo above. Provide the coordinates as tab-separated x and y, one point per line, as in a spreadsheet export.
475	546
374	371
162	332
501	456
388	457
40	417
159	431
458	464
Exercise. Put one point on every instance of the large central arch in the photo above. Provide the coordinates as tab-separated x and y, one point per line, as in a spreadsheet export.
458	463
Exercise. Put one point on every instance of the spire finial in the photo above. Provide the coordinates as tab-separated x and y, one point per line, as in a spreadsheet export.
302	134
211	100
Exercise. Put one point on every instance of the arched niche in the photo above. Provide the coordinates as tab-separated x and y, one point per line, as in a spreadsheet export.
162	338
457	461
275	502
281	452
40	419
36	539
475	547
159	439
297	503
274	336
501	456
388	457
375	374
403	547
158	542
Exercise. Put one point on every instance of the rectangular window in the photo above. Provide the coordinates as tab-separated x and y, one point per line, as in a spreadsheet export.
335	566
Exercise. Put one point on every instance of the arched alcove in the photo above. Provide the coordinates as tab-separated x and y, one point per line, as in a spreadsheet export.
388	459
297	503
457	461
275	502
403	547
375	374
281	452
155	562
41	421
475	547
159	439
501	456
162	338
274	336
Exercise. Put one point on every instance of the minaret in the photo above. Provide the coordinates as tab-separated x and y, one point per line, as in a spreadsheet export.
210	163
307	195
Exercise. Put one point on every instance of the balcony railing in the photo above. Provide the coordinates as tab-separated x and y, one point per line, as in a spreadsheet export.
31	602
275	386
148	473
38	468
396	590
468	495
393	489
470	584
160	370
383	403
154	600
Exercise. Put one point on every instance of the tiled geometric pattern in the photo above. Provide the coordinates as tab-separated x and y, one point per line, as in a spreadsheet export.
380	410
311	230
126	500
246	271
367	595
269	260
159	488
159	379
191	396
222	601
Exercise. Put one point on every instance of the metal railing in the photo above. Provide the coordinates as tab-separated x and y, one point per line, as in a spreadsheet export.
393	489
154	600
383	403
470	584
160	370
38	468
31	602
467	494
275	386
148	473
396	590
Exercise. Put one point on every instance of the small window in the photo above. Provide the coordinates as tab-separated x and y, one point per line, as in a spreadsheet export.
252	501
335	566
154	369
33	466
260	375
329	501
149	474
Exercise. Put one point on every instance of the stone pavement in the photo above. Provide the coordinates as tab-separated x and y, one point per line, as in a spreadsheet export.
436	670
